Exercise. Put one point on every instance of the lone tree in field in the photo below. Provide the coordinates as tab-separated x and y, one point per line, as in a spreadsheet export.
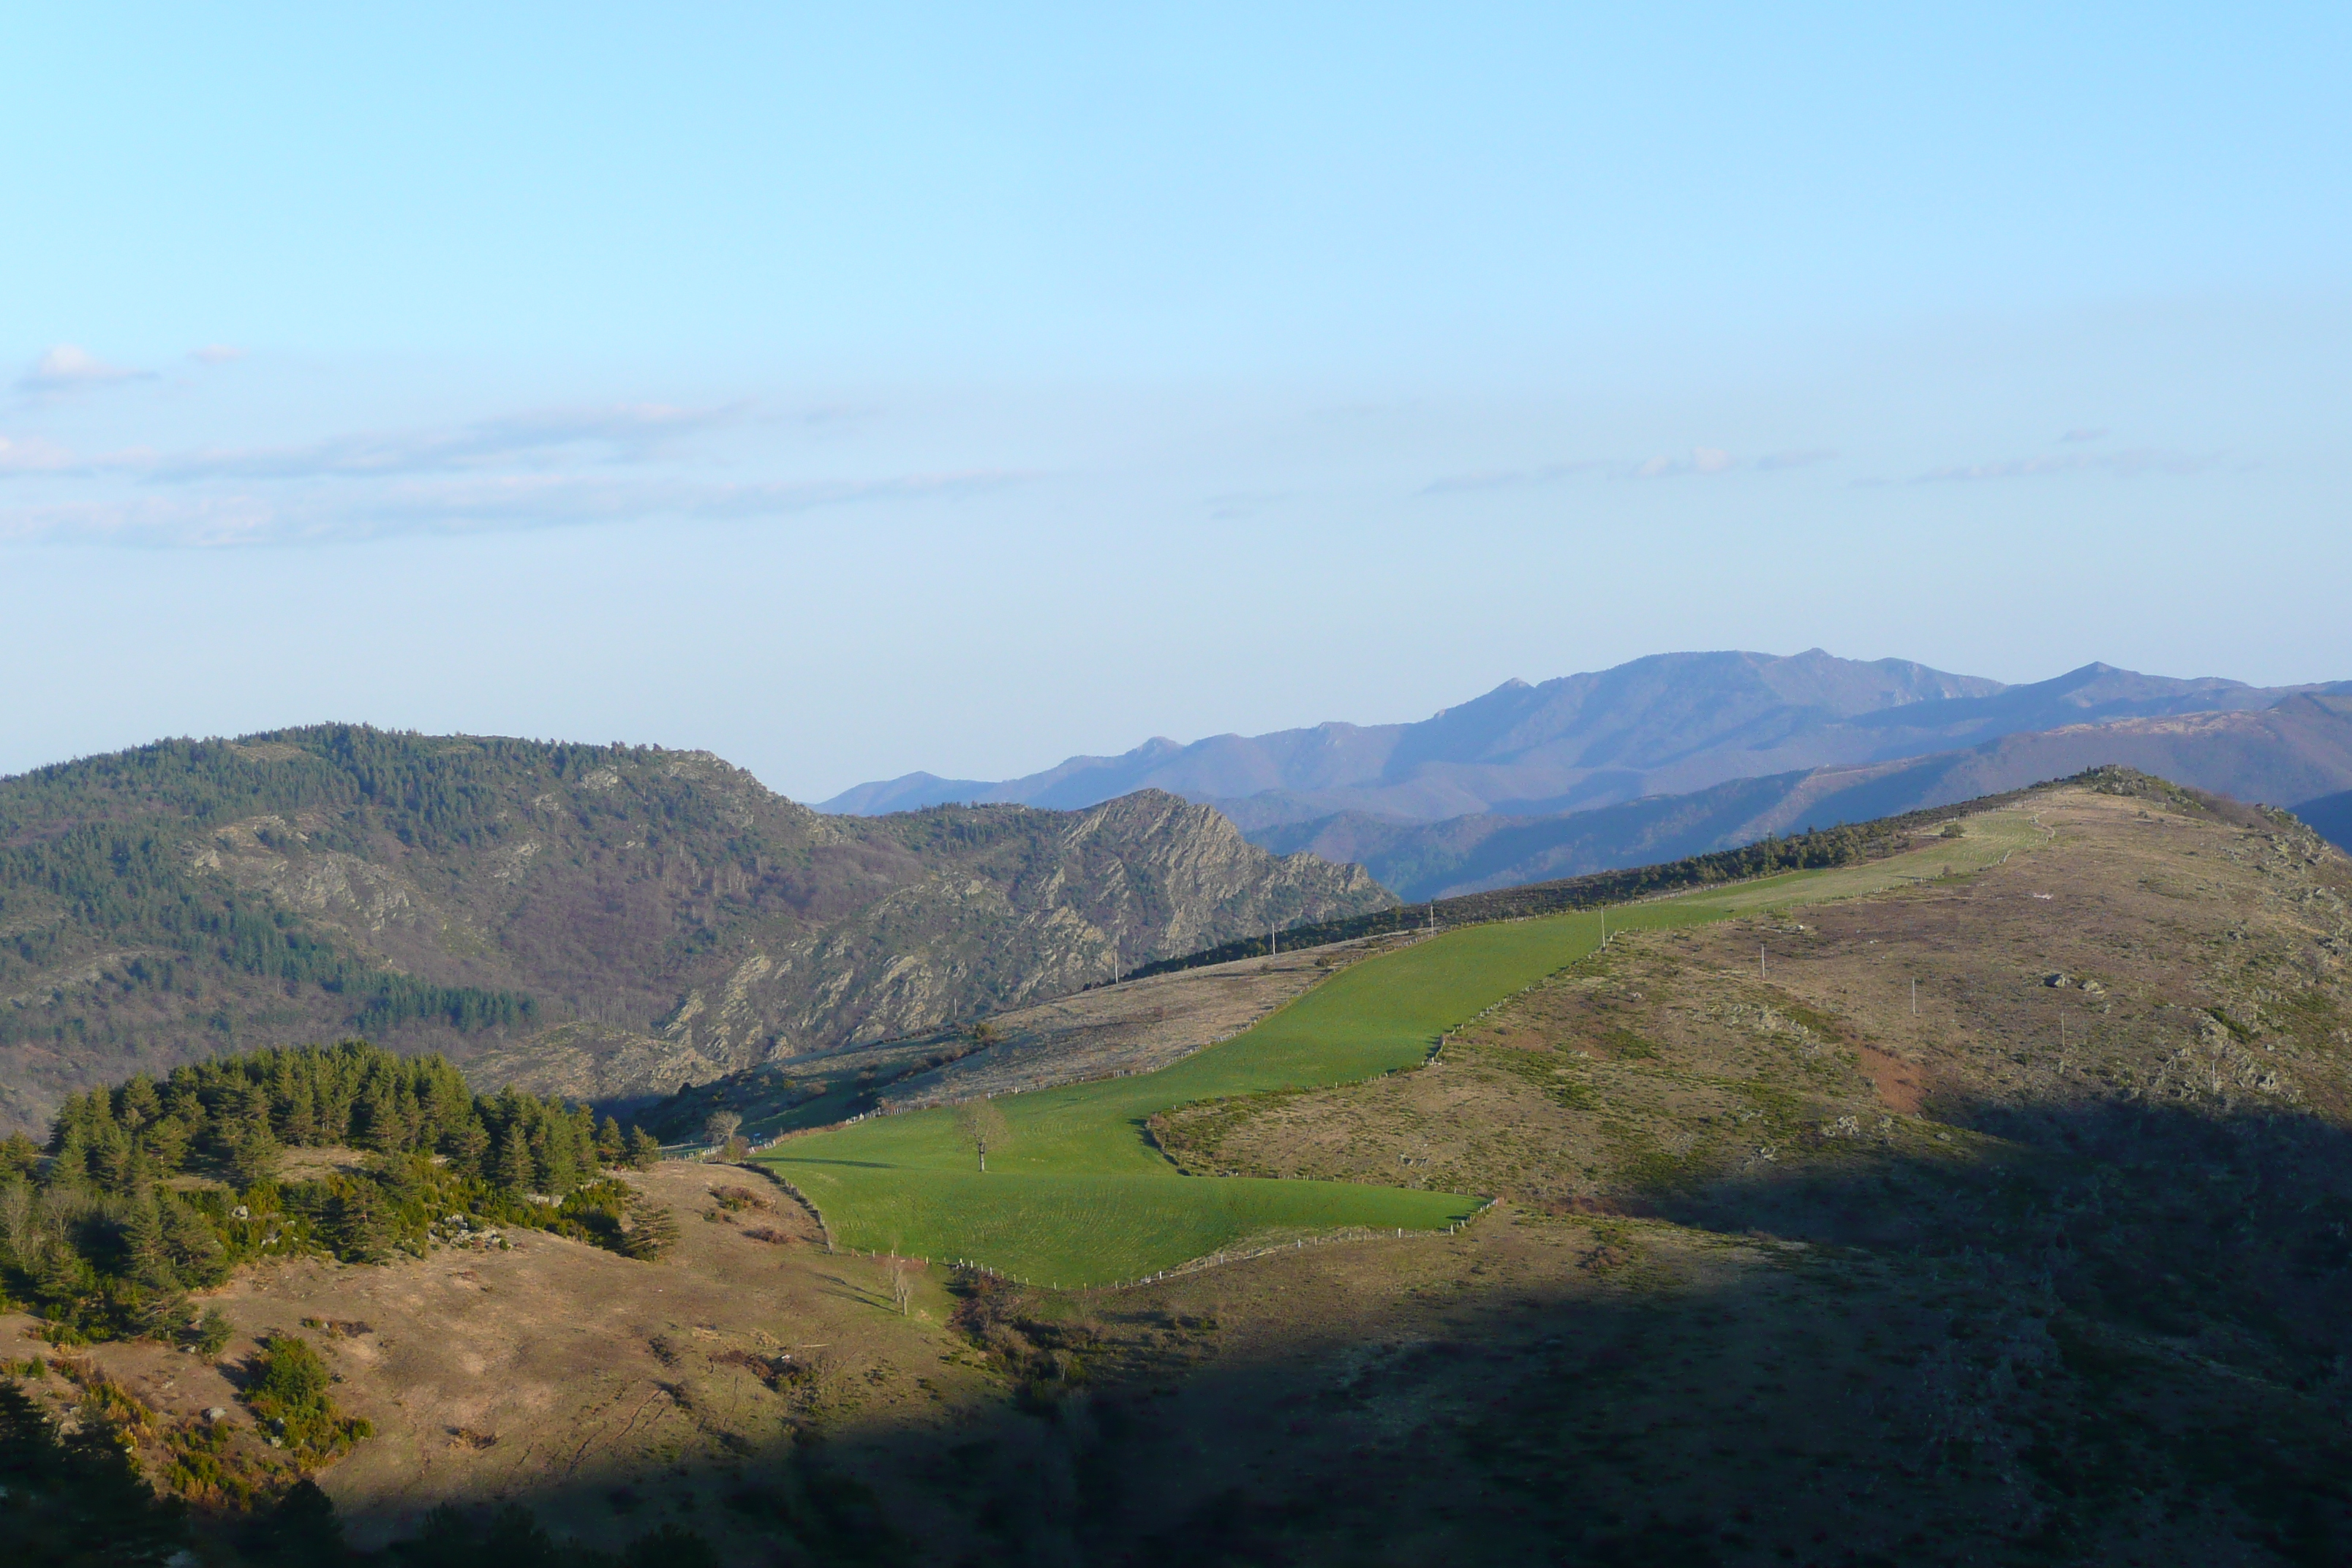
720	1129
979	1121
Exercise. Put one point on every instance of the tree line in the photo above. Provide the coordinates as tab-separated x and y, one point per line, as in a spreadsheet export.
1845	844
148	1190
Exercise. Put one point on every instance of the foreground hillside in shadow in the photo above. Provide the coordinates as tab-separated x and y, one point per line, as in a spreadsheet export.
2053	1269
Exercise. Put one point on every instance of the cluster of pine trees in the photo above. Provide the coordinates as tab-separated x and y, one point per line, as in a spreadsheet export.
99	1236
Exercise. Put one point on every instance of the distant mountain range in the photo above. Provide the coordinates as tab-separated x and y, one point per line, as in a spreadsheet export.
2297	753
1670	724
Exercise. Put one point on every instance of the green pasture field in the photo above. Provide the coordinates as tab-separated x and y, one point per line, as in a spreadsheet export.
1076	1194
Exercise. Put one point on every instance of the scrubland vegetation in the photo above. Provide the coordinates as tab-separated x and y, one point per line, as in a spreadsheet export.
1076	1193
1783	1266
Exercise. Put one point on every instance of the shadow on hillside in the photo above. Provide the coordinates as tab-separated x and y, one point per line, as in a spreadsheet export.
2122	1335
2234	1228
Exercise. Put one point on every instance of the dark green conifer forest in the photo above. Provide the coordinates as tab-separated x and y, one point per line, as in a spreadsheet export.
147	1190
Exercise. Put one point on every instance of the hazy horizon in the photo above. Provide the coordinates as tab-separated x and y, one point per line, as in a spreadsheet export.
852	395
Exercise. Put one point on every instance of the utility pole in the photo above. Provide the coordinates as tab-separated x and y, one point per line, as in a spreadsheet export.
1272	945
1760	961
1915	996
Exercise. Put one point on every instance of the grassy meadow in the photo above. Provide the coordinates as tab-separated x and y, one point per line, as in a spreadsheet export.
1074	1193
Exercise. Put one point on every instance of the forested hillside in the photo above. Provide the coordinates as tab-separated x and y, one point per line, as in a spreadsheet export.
600	922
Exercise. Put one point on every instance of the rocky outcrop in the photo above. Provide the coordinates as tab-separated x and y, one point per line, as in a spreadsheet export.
604	922
1146	877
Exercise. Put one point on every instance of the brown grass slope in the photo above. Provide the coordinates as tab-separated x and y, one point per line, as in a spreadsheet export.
1781	1272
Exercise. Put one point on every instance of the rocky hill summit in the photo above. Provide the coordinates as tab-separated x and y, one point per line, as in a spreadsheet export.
597	921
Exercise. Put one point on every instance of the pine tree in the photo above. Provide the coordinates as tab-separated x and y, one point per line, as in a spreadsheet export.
79	1499
354	1229
645	1149
378	1120
254	1156
301	1113
466	1142
610	1144
302	1528
19	1155
62	1277
163	1143
145	1248
109	1156
140	1103
449	1105
197	1256
651	1230
558	1169
515	1166
72	1151
408	1119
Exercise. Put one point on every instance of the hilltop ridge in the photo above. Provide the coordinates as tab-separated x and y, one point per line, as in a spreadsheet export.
1666	724
2293	753
598	921
1905	1247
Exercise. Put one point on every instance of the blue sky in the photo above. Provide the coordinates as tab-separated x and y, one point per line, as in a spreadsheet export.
854	390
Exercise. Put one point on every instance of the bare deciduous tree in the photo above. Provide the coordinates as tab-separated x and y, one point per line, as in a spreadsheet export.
979	1121
720	1128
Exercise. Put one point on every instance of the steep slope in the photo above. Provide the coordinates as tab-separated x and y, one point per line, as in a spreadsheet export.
2045	1261
2005	1111
605	922
2296	750
1667	724
2331	817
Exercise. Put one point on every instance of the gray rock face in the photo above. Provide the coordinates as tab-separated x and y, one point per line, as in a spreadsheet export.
1144	877
607	922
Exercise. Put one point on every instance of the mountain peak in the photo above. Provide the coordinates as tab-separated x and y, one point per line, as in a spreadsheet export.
1664	724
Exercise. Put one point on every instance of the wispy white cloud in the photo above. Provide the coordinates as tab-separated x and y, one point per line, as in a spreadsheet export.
33	455
1504	478
67	368
1803	457
2123	463
1699	460
633	433
621	433
543	469
216	353
1702	460
331	511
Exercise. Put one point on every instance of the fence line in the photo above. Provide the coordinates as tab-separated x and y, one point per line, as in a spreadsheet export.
1207	1261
